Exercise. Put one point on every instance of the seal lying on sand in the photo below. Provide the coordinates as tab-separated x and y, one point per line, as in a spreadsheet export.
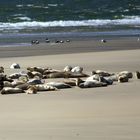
99	78
57	75
32	89
67	68
45	87
71	82
77	69
51	71
7	84
17	75
16	83
123	78
23	86
2	79
11	90
120	77
89	84
15	66
35	81
34	73
58	85
65	75
1	69
127	73
101	73
38	69
14	75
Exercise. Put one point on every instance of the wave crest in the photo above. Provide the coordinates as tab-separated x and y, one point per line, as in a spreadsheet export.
129	20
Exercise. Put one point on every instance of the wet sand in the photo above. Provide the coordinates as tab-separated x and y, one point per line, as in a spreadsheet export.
108	113
74	46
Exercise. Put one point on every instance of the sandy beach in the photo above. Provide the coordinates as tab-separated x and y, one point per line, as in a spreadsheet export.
106	113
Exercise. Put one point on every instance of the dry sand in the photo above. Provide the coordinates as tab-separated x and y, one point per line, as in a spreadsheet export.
108	113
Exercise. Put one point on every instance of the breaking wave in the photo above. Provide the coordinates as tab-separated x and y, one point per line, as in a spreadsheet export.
128	20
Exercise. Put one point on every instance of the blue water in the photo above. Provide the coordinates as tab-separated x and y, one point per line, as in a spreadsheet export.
68	16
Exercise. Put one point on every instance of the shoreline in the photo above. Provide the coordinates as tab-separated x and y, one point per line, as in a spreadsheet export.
74	46
23	38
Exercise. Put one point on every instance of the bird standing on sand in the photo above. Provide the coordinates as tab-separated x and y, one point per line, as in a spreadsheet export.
103	41
137	74
47	40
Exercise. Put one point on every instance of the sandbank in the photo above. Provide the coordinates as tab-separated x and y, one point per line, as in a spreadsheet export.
110	113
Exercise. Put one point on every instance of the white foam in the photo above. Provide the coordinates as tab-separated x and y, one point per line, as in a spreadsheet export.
37	6
137	7
126	10
30	5
52	5
19	5
15	15
23	18
129	20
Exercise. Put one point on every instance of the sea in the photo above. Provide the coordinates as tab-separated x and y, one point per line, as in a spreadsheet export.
23	20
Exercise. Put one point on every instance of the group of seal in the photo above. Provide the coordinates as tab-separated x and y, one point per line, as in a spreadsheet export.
34	79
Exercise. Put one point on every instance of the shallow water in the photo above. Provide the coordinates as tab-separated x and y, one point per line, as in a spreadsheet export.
24	39
23	21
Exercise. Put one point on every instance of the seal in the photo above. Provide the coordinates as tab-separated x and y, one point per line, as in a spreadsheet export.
11	90
32	89
89	84
1	69
2	79
58	85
